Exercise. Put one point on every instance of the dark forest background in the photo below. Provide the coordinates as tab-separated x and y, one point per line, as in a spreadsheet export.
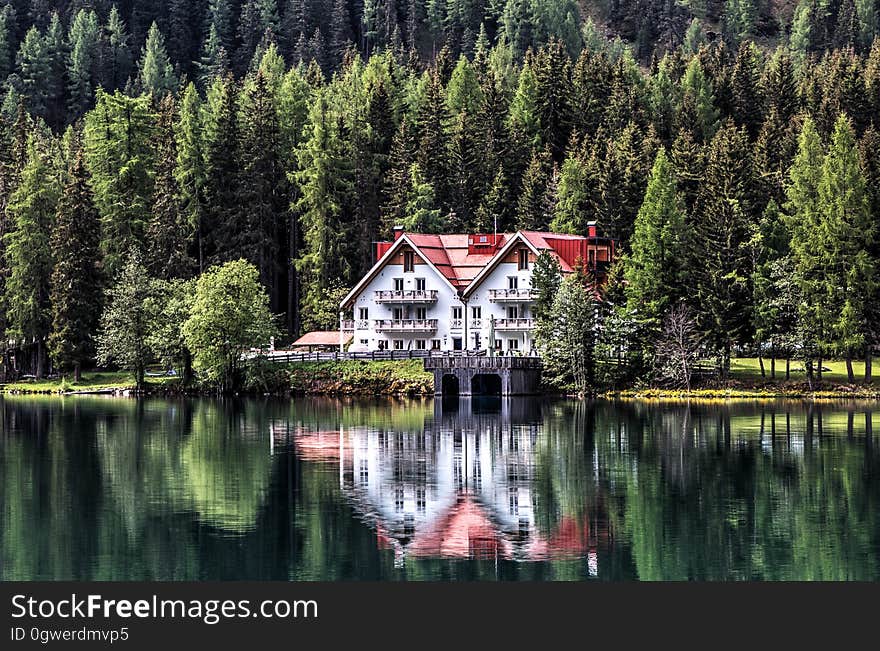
295	133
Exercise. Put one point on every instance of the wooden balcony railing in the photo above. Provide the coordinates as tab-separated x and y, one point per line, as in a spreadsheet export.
406	296
405	325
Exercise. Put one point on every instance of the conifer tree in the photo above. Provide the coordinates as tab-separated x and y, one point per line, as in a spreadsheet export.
168	233
116	58
57	56
655	269
156	72
530	209
746	99
579	191
847	236
553	97
75	281
720	254
119	155
698	94
83	60
35	70
262	185
189	171
421	212
31	212
221	171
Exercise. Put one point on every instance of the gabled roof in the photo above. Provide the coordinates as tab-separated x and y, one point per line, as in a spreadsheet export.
453	260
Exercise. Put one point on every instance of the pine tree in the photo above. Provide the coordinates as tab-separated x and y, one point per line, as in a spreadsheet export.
698	101
579	191
5	44
220	18
83	60
214	61
156	72
325	186
530	209
431	127
802	194
623	179
720	257
116	58
75	281
119	155
57	56
168	232
847	236
546	278
189	171
221	171
262	185
421	214
655	269
35	69
747	102
553	97
31	211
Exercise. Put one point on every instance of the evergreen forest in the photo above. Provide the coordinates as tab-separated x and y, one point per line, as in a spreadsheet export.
732	147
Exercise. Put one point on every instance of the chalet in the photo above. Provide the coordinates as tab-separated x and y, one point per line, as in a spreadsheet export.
459	291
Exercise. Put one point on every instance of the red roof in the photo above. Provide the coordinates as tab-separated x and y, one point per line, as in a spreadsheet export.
450	254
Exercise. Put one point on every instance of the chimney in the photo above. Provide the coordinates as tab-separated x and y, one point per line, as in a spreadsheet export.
398	231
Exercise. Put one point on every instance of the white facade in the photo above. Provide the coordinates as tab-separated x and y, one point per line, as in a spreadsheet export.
420	309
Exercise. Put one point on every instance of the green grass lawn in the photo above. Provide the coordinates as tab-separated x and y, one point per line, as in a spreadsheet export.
94	381
747	368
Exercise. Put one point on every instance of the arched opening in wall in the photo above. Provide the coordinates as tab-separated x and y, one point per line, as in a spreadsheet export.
486	385
449	386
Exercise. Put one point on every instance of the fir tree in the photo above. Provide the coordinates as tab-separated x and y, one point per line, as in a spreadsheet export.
168	232
189	171
116	59
83	60
31	212
530	208
156	72
119	155
35	69
75	280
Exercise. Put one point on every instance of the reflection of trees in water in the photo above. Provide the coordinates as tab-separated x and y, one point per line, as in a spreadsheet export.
745	491
122	489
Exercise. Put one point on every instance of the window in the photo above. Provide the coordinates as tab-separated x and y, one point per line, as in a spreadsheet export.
497	344
512	312
365	342
456	312
456	343
476	312
398	344
397	313
408	261
513	344
435	344
363	313
592	257
421	313
420	499
363	472
420	284
421	344
398	499
398	284
512	282
523	259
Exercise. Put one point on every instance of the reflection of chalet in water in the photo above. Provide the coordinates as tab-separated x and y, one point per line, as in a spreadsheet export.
448	492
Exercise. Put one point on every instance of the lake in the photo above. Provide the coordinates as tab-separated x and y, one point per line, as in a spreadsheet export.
100	488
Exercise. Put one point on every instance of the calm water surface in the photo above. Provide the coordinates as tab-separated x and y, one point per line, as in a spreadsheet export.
120	489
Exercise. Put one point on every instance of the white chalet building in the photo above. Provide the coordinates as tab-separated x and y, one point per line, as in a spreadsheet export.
459	291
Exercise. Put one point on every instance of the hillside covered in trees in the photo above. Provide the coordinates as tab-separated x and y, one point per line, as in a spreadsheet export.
730	146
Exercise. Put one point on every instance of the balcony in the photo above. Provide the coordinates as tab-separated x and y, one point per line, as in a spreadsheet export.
512	325
420	296
405	325
513	295
347	325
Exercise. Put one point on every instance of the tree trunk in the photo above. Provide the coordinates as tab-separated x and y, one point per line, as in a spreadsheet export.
788	368
850	376
77	372
139	377
761	364
773	365
819	370
187	367
809	364
868	369
40	370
